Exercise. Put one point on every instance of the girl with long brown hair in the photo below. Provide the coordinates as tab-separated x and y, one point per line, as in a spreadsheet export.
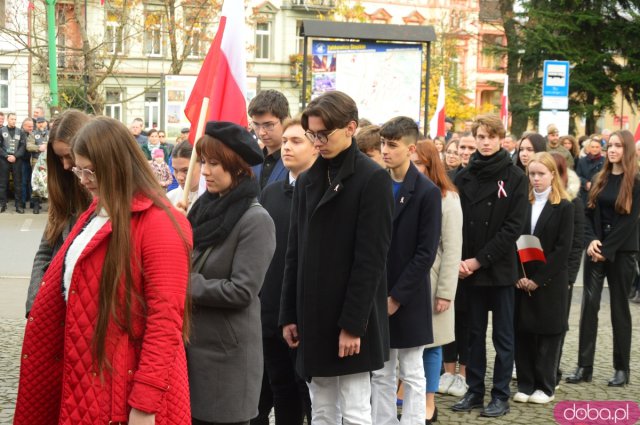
105	340
444	281
612	235
67	198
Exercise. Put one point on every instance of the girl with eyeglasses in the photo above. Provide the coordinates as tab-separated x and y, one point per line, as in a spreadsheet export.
105	337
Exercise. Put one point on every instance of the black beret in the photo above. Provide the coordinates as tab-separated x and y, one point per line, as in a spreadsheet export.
237	138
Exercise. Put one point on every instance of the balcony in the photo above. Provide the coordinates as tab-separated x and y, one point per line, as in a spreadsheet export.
313	5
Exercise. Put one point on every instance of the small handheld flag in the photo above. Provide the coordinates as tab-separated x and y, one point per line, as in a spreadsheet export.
529	249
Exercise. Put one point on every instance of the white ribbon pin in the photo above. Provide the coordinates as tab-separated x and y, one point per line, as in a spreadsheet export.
501	191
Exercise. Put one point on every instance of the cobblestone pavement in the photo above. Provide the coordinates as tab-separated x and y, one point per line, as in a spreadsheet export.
11	330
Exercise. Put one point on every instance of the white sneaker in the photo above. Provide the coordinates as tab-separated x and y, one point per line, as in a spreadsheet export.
539	397
446	379
521	397
514	374
459	386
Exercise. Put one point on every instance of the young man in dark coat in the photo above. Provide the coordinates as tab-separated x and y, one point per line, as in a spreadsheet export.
268	110
334	295
493	194
290	392
414	244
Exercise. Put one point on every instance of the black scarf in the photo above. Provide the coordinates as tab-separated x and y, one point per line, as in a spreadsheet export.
486	167
213	216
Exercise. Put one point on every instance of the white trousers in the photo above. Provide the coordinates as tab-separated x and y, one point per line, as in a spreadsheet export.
341	400
384	385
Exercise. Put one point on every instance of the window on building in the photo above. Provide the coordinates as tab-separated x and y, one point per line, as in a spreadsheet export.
491	57
113	104
114	42
4	88
490	97
151	110
3	17
195	32
153	34
263	40
299	38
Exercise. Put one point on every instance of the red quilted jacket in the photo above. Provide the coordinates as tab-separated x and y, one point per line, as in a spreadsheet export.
59	382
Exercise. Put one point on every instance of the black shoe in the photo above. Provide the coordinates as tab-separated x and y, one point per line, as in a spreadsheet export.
3	208
36	208
433	419
620	379
582	374
469	402
496	408
20	210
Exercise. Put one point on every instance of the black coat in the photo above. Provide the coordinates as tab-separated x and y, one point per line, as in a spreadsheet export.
276	199
335	274
544	311
414	245
586	169
623	236
492	224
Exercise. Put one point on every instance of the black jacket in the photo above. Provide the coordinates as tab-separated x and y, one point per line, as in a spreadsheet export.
335	274
492	223
586	168
623	236
544	311
414	245
21	144
276	199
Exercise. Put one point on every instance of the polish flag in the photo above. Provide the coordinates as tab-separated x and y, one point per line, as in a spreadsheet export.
504	103
436	125
529	249
223	76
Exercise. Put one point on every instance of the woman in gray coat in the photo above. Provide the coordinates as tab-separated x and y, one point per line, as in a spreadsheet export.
234	240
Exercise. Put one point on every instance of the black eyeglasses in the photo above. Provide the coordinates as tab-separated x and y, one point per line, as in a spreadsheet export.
321	136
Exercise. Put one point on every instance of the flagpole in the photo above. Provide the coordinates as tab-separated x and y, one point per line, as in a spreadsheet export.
525	275
202	120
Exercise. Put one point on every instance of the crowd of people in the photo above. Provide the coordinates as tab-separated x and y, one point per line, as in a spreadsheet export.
318	262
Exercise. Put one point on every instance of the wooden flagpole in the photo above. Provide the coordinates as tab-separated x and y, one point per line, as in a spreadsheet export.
202	120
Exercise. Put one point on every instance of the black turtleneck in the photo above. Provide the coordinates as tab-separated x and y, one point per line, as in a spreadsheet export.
335	164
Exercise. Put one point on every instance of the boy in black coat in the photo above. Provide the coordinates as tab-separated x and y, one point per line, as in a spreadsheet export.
493	194
414	244
290	393
334	294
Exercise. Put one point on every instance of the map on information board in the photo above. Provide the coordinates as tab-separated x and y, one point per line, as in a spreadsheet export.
383	79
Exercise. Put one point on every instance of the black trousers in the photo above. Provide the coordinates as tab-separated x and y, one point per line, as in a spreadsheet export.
500	301
290	394
5	168
195	421
537	361
458	350
620	274
564	334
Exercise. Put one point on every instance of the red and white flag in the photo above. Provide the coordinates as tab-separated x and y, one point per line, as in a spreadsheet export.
436	125
636	137
529	249
504	103
223	76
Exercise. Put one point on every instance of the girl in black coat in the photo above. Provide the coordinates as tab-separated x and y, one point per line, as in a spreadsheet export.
612	236
541	301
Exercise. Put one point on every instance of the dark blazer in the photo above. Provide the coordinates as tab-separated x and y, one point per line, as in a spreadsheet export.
335	274
276	199
586	169
492	224
165	149
414	245
279	172
544	311
623	236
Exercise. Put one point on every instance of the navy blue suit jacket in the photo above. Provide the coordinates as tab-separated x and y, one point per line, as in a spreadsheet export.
279	172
